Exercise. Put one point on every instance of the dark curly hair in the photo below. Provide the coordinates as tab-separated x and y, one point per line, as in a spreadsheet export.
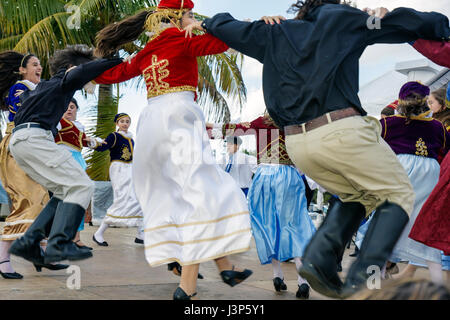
10	62
71	56
303	7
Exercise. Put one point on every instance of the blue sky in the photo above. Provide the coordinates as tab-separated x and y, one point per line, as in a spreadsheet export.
243	9
376	61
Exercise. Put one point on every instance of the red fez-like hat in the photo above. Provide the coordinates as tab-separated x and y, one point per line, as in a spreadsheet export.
393	105
176	4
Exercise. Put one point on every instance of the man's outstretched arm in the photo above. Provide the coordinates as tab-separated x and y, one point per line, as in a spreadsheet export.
249	38
406	25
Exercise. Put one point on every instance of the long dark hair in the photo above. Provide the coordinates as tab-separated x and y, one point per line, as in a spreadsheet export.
70	56
110	38
302	7
10	62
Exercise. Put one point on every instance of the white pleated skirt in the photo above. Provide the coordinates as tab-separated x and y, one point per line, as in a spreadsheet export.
193	210
125	210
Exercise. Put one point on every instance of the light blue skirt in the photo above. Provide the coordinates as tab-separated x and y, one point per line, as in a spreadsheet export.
79	158
424	175
3	195
281	225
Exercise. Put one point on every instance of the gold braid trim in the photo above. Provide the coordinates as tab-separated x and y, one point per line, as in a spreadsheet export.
155	24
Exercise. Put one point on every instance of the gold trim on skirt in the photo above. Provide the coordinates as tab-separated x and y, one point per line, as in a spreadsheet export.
28	198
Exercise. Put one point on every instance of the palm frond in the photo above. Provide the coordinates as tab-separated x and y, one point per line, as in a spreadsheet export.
18	16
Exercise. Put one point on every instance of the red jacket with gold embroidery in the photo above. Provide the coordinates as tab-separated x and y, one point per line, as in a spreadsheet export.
270	140
70	135
168	62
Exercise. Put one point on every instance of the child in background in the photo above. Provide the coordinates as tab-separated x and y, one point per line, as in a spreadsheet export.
72	137
125	210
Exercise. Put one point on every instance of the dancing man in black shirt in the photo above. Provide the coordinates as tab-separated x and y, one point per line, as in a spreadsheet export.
311	84
33	147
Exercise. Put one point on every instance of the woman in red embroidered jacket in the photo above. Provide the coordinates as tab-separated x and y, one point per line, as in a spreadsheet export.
193	210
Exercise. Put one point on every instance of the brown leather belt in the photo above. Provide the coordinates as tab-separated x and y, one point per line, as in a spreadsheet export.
321	121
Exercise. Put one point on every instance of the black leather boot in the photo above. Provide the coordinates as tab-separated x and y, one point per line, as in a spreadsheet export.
60	246
28	246
386	227
321	257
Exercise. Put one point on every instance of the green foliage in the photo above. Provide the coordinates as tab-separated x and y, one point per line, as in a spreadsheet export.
42	27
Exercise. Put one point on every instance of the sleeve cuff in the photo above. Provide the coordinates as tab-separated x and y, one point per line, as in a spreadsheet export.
204	24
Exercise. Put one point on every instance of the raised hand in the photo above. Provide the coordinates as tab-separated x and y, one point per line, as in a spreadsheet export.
273	19
197	25
129	58
377	12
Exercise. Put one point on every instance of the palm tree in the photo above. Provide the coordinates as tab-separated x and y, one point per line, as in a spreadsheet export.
42	27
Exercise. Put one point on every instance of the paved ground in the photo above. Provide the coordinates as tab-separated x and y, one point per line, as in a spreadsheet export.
121	272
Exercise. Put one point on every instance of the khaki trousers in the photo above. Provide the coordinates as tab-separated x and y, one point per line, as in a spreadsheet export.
51	166
350	159
28	198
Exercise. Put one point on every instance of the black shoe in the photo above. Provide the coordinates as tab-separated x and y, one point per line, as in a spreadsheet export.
28	246
279	284
233	278
60	246
176	268
91	224
339	267
139	241
179	294
386	227
82	247
303	291
52	267
325	250
10	275
102	244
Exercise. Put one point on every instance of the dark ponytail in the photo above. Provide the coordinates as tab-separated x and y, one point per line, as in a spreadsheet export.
10	62
303	7
113	36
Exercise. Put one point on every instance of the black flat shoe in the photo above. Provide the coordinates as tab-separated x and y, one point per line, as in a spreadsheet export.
102	244
176	268
52	267
233	278
303	291
179	294
82	247
279	284
10	275
139	241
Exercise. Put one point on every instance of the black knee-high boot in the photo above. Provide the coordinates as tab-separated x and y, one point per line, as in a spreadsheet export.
60	246
386	227
28	246
320	260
